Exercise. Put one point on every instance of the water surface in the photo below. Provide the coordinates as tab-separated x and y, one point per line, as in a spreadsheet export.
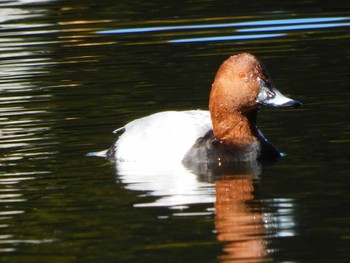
73	71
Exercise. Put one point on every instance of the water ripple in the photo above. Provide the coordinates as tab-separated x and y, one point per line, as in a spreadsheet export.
26	137
225	25
225	38
272	25
294	27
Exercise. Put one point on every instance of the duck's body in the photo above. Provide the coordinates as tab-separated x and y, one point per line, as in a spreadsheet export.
225	133
152	138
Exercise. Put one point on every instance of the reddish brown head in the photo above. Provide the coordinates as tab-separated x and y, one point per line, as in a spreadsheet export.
240	86
236	85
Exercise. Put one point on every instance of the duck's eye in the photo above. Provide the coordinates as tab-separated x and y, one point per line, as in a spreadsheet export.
241	74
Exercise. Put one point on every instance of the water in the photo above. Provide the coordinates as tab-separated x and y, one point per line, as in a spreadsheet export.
65	87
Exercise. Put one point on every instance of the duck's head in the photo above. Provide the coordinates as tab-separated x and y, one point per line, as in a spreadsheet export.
242	84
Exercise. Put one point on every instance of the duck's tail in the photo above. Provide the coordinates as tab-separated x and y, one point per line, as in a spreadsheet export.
98	154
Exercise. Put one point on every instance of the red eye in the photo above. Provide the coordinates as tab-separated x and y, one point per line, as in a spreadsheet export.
241	74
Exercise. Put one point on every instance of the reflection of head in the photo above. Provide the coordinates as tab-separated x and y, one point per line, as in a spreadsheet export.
237	223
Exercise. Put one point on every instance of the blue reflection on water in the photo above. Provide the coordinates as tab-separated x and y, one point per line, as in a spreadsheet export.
294	27
295	21
225	38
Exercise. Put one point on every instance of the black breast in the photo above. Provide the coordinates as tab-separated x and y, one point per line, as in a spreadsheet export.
208	149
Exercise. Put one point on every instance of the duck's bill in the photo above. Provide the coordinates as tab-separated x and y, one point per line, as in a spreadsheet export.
270	96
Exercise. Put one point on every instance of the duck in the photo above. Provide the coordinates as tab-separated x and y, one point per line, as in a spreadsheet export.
226	133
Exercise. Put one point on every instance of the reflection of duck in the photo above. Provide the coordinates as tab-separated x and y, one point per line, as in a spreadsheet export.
237	225
174	187
240	223
227	134
177	186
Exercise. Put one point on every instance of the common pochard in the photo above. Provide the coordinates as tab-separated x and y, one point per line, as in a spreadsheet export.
225	133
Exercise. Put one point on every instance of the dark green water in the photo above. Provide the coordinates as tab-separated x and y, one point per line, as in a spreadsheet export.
65	87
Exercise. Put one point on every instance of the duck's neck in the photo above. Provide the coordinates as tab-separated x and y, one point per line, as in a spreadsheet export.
236	129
